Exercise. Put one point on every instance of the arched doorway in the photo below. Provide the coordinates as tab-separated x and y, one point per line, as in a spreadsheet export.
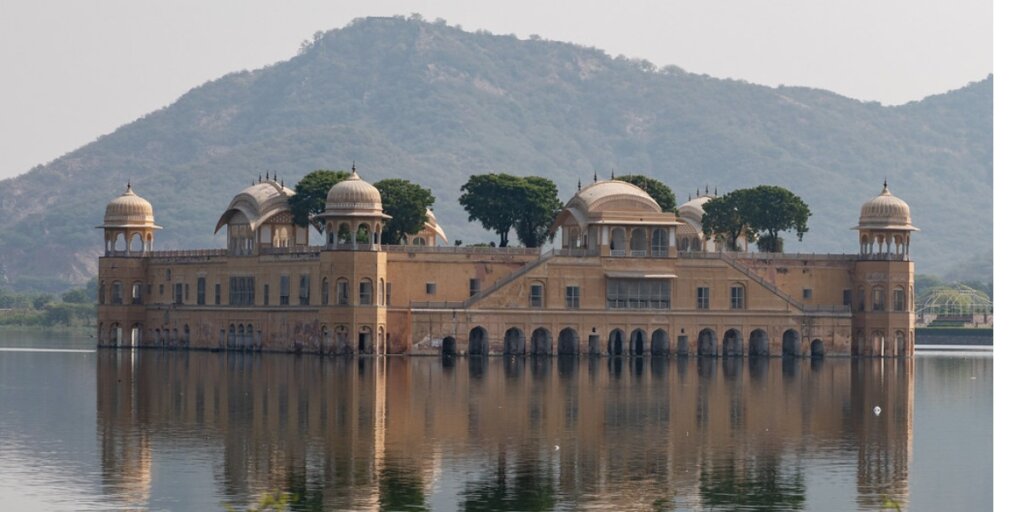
341	340
568	342
817	349
637	341
365	341
615	342
791	343
448	346
540	342
514	344
659	342
758	345
478	341
901	344
877	340
732	344
707	343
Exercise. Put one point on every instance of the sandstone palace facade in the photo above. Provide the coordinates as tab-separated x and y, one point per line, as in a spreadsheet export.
626	278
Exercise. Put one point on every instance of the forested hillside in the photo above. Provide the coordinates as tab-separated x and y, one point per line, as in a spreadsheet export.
434	104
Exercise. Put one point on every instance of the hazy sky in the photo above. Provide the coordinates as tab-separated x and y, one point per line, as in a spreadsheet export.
75	70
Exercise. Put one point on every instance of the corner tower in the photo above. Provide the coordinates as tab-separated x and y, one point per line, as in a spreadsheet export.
354	269
884	277
128	230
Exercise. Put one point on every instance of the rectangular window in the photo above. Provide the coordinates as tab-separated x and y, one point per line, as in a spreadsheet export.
899	300
536	296
342	292
149	289
703	297
266	294
161	290
808	294
474	286
167	275
431	288
387	287
116	296
325	292
179	293
736	298
241	290
638	293
860	299
572	297
201	291
304	290
847	297
137	293
216	293
284	290
186	292
365	292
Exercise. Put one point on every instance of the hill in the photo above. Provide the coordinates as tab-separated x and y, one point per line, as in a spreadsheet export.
434	104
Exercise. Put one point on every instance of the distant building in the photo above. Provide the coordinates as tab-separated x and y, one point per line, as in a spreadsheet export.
627	279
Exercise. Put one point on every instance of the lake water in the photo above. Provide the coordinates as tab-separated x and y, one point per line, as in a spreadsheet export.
207	431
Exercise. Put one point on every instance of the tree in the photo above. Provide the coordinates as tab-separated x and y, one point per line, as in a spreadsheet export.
770	210
76	296
726	216
311	196
538	206
491	199
657	190
407	204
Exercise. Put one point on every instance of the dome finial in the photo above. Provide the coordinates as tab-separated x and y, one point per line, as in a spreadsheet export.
613	174
579	185
705	188
595	175
275	175
716	191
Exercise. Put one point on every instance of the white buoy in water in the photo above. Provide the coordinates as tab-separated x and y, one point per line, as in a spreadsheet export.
878	410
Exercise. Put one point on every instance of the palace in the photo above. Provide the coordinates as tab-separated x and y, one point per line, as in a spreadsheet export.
627	279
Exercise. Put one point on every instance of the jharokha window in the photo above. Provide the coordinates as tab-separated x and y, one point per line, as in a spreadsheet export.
878	299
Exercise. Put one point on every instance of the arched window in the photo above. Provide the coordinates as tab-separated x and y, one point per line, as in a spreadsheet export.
115	293
899	299
344	234
684	244
419	241
878	299
342	291
618	242
325	292
137	292
380	293
638	242
695	244
366	292
363	234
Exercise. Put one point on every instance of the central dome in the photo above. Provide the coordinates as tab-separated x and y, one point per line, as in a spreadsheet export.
614	195
353	193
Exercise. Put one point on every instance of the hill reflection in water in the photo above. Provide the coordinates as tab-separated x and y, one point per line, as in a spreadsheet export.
513	434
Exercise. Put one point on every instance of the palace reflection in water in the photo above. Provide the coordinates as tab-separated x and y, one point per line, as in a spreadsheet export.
513	433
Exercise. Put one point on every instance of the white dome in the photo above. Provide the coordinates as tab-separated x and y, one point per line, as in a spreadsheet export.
128	210
885	211
353	193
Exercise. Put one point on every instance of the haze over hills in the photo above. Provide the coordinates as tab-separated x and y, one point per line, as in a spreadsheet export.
434	104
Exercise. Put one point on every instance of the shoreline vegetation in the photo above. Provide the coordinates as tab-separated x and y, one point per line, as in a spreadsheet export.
72	310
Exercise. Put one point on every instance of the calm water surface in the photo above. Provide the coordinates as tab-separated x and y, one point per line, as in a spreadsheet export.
204	431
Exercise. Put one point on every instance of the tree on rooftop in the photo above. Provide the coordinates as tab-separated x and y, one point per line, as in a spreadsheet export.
539	204
659	191
406	203
725	216
770	210
492	199
311	196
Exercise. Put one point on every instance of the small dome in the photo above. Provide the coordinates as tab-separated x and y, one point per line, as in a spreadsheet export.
885	211
694	208
354	194
128	210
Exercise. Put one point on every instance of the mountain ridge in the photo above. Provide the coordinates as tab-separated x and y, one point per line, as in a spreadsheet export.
433	104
